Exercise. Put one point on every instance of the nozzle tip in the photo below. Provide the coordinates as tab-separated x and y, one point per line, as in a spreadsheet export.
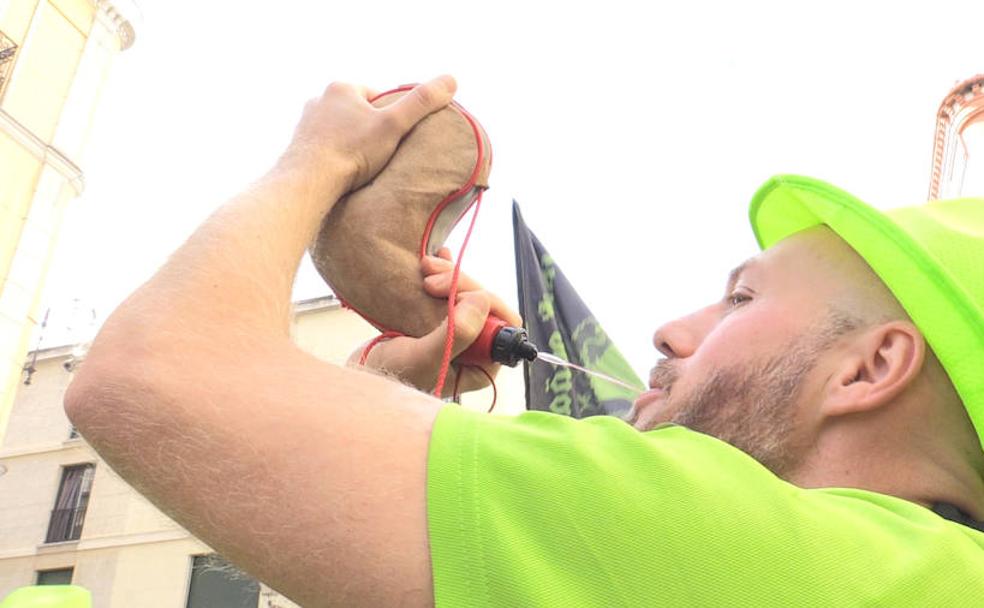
511	345
527	350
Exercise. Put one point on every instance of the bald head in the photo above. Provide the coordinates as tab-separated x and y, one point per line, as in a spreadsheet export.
854	288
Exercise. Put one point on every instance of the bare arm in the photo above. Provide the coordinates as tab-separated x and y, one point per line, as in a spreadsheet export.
308	475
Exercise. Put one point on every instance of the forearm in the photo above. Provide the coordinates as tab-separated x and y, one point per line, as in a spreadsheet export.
236	271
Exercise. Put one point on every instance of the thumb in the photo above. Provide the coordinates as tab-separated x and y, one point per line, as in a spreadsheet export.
423	100
470	313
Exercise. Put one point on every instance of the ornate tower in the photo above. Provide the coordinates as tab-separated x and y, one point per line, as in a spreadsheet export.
958	149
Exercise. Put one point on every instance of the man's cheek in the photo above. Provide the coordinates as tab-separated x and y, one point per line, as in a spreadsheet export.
749	331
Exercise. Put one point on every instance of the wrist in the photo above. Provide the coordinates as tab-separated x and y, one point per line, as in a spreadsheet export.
325	172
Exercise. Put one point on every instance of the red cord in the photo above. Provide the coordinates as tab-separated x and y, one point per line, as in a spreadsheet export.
495	391
452	296
386	335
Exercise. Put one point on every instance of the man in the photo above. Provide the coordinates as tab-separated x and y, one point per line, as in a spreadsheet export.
343	488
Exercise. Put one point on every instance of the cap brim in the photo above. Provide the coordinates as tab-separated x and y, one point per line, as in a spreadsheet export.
951	324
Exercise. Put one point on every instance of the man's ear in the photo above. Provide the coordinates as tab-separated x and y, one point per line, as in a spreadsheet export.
878	365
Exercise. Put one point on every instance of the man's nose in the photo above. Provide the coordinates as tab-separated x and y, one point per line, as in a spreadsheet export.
681	338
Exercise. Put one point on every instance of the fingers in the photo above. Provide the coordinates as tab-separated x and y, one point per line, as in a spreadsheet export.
341	129
504	312
423	100
470	313
469	318
438	272
430	264
439	286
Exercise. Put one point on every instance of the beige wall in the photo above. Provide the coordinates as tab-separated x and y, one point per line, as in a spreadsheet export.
130	554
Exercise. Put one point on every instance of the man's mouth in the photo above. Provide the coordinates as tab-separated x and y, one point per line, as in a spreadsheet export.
650	396
662	376
661	380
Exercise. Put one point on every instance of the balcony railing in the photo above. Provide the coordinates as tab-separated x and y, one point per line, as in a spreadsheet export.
7	51
65	525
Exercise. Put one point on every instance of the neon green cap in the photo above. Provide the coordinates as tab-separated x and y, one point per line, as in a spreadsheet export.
931	256
48	596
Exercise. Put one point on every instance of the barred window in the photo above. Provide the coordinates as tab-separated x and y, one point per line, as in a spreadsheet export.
73	497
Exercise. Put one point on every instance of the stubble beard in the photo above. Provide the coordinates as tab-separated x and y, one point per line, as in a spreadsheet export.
751	405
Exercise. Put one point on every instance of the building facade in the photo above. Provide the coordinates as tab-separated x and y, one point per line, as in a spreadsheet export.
66	517
54	59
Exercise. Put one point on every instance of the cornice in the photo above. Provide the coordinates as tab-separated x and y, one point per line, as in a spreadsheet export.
41	150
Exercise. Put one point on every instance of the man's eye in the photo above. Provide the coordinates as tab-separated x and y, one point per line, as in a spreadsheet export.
737	299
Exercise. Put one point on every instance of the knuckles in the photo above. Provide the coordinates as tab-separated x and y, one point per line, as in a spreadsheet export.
337	87
425	97
390	120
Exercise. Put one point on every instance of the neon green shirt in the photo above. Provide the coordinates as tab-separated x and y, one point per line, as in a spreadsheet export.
545	510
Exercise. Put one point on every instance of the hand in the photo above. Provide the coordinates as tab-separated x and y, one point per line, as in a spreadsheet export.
342	129
417	361
438	271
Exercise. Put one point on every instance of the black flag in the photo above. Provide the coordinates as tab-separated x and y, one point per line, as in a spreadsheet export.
558	322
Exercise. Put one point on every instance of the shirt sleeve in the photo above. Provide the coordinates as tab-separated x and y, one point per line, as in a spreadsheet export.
545	510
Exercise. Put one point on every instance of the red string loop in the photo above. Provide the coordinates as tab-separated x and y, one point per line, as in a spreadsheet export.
457	380
386	335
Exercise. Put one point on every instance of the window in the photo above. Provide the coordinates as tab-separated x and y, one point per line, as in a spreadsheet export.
61	576
73	498
215	583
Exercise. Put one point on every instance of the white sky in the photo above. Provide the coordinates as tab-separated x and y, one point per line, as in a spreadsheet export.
633	134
